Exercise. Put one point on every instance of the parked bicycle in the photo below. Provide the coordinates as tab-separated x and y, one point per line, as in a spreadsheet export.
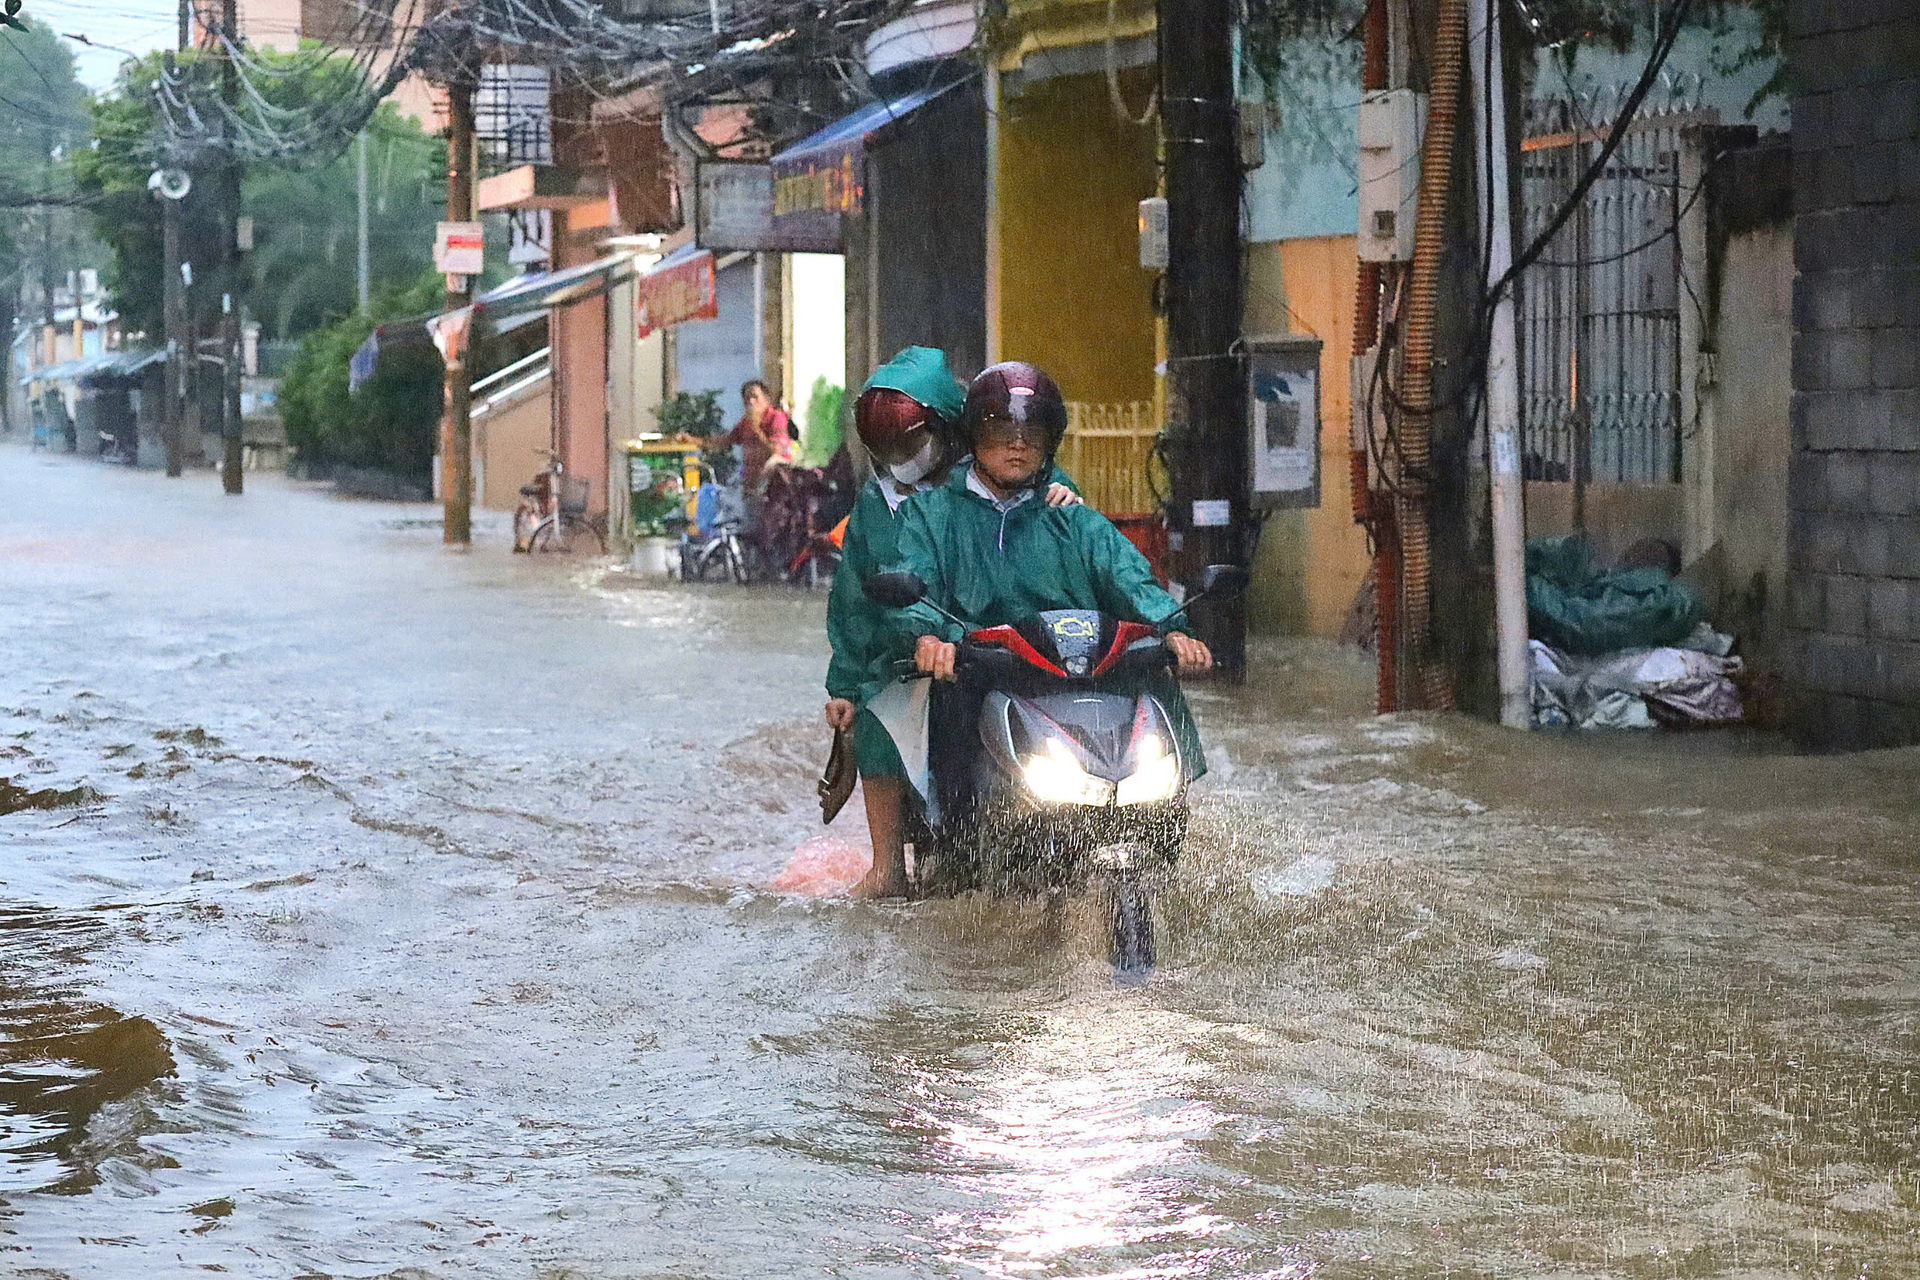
552	515
713	546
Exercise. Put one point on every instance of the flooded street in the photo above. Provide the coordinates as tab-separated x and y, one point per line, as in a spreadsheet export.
368	909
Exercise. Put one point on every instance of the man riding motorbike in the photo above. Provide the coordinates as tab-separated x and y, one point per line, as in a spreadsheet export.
990	553
906	418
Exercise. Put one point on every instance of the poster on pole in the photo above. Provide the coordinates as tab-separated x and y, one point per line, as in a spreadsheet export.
459	248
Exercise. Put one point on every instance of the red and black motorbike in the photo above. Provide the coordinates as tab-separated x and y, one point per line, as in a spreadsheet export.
1054	763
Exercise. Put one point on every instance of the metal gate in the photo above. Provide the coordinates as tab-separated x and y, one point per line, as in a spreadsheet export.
1600	310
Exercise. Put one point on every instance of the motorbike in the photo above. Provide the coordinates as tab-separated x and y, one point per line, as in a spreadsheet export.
1073	777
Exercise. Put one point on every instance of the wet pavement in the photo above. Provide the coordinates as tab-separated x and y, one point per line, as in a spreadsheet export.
368	909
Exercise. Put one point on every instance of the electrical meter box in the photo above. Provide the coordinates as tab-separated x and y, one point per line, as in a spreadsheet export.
1283	420
1391	128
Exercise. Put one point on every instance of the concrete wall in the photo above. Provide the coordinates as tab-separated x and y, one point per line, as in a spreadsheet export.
718	354
929	231
1854	474
508	440
579	339
1747	407
1311	560
1615	515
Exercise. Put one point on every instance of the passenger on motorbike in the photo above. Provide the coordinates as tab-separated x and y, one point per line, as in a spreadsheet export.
991	553
906	417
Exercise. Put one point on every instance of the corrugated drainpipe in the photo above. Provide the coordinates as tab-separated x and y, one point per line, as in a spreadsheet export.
1433	687
1366	333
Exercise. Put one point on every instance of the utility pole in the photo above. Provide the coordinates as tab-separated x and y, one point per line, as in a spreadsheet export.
179	348
1503	370
1205	400
50	334
363	277
456	441
231	292
173	291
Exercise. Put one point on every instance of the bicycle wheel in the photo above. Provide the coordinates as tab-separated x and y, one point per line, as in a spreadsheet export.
737	560
586	536
551	537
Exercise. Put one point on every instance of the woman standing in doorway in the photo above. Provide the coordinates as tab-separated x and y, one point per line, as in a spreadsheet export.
764	434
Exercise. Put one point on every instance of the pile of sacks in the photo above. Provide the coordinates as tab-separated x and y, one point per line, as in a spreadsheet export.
1622	647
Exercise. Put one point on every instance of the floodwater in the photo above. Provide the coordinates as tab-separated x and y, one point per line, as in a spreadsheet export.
369	909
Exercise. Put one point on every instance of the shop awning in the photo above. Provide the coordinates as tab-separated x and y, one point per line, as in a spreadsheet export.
822	177
505	307
849	134
545	290
103	364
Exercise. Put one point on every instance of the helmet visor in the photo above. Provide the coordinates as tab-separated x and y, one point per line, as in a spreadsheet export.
997	431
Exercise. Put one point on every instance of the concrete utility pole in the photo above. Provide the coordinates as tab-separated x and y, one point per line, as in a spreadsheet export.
1206	407
456	438
174	314
234	268
181	349
1502	399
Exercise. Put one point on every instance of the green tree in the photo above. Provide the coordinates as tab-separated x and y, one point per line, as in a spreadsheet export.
45	125
305	224
303	206
389	423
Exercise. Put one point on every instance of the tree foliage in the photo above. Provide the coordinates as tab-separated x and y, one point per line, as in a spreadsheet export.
303	264
390	423
45	125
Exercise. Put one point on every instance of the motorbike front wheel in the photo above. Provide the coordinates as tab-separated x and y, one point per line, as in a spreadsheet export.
1130	912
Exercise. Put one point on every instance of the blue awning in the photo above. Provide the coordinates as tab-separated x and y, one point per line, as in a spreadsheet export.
856	129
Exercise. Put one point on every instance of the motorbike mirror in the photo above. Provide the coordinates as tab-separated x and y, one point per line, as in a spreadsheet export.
895	589
1223	580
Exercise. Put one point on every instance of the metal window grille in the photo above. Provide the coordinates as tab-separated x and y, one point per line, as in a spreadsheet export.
1600	311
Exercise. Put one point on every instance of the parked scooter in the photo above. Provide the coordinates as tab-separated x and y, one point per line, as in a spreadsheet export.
1077	777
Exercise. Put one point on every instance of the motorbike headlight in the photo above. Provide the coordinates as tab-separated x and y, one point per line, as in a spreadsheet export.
1155	776
1057	778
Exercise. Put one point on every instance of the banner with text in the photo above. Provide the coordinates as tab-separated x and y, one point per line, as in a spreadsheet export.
676	292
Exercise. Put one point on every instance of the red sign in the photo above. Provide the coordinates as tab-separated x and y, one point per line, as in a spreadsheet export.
672	294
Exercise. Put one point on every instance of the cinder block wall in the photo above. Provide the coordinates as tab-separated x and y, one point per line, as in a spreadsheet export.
1854	471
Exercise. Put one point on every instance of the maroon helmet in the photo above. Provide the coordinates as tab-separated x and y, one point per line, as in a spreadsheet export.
885	417
1018	391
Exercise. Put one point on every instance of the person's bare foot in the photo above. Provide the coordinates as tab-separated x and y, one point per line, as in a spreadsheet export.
881	882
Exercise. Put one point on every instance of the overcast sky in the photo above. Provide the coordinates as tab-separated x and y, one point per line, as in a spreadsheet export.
139	25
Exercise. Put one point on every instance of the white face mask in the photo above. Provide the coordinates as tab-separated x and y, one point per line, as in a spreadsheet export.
916	468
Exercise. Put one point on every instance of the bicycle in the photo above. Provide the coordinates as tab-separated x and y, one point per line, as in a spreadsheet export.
713	540
553	513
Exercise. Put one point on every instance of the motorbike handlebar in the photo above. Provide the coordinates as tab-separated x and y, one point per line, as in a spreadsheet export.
1142	655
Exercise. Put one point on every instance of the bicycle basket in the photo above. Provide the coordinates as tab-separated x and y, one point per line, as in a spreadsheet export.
574	492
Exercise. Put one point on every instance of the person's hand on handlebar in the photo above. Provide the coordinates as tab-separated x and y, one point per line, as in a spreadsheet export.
840	713
1191	654
1059	495
935	657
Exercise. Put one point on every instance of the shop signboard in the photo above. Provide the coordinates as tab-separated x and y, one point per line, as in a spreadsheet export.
676	292
733	211
459	248
813	190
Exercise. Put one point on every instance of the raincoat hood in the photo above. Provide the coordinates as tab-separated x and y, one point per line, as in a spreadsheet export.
922	373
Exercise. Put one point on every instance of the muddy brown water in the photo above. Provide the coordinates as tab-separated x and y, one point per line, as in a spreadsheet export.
400	912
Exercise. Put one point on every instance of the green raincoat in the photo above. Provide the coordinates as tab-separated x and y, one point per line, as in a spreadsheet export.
862	654
992	567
